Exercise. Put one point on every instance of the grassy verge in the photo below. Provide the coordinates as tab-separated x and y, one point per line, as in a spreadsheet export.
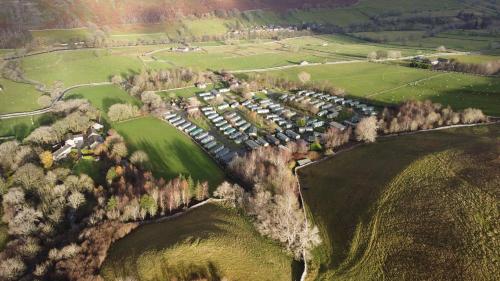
210	240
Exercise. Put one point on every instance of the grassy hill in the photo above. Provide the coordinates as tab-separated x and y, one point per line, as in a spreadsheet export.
417	207
208	239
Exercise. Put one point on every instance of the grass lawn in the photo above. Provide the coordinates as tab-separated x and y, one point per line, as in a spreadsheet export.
17	97
170	151
103	97
81	66
21	127
393	84
396	208
90	168
208	239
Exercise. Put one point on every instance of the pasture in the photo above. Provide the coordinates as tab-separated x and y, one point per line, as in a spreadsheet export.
171	152
451	40
423	201
212	241
273	54
80	66
103	97
21	127
17	97
51	36
385	84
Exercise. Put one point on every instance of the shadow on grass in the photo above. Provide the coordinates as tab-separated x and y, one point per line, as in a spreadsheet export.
170	158
342	192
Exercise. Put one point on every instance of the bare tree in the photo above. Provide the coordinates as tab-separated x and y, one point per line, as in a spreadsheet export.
120	112
232	193
304	77
366	130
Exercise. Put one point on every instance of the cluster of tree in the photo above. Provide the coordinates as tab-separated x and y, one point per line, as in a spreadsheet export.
267	166
43	210
278	216
157	198
151	101
60	224
366	130
391	54
250	34
152	80
12	70
418	115
122	111
14	37
334	137
263	81
79	116
488	68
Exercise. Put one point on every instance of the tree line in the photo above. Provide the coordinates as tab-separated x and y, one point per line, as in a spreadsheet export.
487	68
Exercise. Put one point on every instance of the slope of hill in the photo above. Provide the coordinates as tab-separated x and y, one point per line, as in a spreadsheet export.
64	13
426	208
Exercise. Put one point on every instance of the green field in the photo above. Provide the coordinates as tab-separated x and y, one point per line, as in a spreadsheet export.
81	66
21	127
393	84
210	238
170	151
103	97
52	36
272	54
476	58
424	201
451	40
17	97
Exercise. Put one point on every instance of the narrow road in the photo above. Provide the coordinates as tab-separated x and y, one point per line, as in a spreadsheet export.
48	109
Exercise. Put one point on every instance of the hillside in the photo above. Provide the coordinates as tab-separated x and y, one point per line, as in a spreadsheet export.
210	242
426	208
64	13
